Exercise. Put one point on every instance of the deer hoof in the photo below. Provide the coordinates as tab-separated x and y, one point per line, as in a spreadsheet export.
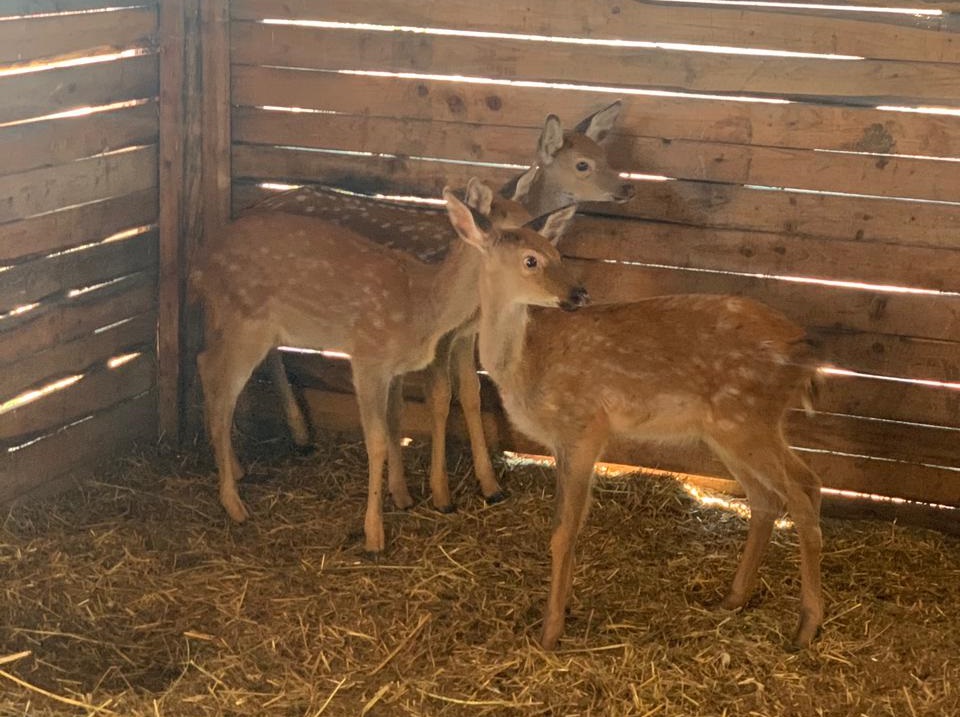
807	632
447	509
372	556
498	497
235	508
304	449
730	602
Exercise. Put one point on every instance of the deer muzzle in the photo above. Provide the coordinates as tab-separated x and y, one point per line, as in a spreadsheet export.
577	298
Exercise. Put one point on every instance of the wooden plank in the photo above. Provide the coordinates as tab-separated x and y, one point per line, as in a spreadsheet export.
99	389
69	318
73	226
889	400
44	144
798	125
919	515
708	161
137	334
51	36
16	8
43	190
786	29
911	443
848	395
212	199
855	82
915	444
174	96
30	281
807	214
763	253
29	95
78	449
897	356
338	412
809	305
216	115
681	202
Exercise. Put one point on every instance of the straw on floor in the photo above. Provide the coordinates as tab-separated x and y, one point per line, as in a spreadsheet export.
135	595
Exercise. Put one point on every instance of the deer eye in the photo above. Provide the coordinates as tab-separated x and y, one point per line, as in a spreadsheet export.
530	261
583	166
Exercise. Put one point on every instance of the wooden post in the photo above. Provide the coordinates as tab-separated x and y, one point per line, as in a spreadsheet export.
173	68
216	114
194	186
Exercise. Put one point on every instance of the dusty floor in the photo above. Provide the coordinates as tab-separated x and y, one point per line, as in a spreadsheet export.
136	596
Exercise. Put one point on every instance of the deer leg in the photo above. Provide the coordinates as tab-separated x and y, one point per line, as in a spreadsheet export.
803	506
396	480
373	395
291	409
464	359
778	471
224	371
574	484
765	506
438	398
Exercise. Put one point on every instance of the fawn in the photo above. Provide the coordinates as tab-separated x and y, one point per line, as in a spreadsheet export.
570	167
673	369
316	284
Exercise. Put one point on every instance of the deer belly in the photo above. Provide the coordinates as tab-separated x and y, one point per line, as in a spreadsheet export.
531	421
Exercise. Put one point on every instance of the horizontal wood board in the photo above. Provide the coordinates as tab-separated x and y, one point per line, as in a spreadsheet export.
52	36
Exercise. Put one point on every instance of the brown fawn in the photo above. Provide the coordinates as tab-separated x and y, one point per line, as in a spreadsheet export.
672	369
315	284
570	167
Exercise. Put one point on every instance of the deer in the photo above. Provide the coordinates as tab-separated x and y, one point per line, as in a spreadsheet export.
671	369
319	285
570	167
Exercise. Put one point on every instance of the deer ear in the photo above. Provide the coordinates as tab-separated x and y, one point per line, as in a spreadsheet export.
598	125
479	196
551	140
522	185
552	226
470	226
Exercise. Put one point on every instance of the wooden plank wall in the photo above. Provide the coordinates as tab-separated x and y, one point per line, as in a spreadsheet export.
78	235
811	175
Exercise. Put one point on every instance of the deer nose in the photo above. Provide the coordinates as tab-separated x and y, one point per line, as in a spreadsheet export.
626	192
578	297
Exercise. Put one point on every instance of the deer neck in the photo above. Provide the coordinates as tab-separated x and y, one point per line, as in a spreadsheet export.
546	195
452	295
502	335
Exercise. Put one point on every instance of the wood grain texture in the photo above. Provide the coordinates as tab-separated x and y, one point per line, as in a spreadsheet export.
39	7
76	225
784	28
28	282
32	95
45	144
79	449
852	82
52	36
100	388
337	411
794	125
137	334
64	319
704	204
43	190
718	162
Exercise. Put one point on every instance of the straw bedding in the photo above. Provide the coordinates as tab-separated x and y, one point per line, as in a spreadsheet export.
134	595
